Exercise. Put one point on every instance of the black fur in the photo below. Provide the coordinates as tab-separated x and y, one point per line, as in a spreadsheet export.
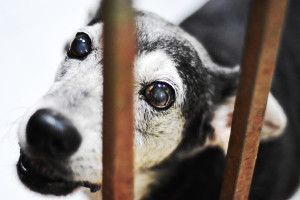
220	26
197	177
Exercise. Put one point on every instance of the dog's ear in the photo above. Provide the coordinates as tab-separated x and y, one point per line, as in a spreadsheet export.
224	82
274	122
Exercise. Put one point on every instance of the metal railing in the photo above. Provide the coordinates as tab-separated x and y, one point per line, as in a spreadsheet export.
262	41
264	29
119	51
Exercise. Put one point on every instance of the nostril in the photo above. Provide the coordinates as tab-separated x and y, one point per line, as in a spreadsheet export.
49	132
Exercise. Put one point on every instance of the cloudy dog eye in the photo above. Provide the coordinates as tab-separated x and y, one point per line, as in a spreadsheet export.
160	95
80	47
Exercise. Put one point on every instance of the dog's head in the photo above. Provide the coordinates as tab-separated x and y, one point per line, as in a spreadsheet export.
180	106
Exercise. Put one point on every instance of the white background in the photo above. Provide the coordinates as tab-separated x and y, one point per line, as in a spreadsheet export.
32	36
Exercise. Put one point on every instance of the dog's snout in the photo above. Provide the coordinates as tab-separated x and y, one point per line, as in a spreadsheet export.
49	132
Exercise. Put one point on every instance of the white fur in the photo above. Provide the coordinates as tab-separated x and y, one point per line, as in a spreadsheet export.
85	76
77	94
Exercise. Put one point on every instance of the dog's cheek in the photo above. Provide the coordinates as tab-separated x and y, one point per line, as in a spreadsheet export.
86	163
159	140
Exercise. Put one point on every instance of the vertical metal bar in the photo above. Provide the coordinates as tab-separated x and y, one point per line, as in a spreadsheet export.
262	41
119	51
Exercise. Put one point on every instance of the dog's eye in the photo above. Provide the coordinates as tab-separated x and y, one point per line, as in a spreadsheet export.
160	95
80	47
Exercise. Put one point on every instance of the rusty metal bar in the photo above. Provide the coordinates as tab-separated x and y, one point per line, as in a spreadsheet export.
119	51
262	41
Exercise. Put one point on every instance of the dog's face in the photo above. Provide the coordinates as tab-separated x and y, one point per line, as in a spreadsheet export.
176	90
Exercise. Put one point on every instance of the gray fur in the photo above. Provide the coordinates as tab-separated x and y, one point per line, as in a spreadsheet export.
77	94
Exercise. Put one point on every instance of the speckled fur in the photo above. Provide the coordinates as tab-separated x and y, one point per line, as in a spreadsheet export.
166	53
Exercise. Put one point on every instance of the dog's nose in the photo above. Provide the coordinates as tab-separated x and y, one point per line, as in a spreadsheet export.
49	132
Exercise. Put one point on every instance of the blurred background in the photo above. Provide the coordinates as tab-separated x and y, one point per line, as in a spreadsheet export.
32	37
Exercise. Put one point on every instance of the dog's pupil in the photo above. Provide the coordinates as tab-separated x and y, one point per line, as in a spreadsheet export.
160	95
81	46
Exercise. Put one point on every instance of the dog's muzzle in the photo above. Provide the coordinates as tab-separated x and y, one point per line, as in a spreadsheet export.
51	140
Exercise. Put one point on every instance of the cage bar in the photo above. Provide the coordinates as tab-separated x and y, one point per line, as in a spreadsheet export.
259	58
118	55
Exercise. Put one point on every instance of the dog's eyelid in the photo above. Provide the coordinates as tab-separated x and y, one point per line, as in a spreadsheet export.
144	85
82	32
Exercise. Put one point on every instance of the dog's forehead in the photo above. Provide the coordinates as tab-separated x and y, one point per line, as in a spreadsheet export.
153	32
179	58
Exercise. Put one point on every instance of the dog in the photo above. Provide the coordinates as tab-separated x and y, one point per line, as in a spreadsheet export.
185	82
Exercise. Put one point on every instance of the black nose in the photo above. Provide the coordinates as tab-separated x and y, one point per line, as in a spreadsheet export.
49	132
